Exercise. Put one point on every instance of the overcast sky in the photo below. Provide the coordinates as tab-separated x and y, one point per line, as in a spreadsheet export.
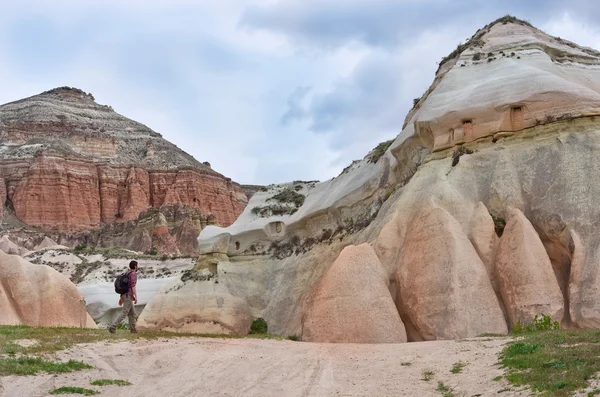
267	91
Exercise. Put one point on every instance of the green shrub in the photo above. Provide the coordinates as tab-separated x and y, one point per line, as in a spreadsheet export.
153	251
460	151
499	225
541	322
379	151
259	326
289	196
81	246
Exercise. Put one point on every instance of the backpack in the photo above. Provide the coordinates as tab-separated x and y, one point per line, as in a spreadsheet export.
122	283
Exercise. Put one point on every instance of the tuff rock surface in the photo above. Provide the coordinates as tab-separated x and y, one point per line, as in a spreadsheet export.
352	302
481	212
39	295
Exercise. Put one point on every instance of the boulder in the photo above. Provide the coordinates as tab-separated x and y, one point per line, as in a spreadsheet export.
198	305
443	286
527	282
39	295
352	302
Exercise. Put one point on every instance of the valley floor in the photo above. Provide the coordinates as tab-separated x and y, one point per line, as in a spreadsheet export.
248	367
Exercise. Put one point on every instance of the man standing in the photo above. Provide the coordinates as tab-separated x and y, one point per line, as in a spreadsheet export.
128	299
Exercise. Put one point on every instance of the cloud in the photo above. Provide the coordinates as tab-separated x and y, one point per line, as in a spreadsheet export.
265	90
295	109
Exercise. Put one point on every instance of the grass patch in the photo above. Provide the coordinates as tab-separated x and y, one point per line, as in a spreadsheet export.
553	363
406	364
34	365
445	390
74	390
457	367
52	339
498	378
427	376
107	382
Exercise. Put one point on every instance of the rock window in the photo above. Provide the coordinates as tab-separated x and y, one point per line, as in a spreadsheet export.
237	245
468	129
516	118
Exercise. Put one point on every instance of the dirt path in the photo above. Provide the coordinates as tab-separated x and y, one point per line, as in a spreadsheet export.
245	367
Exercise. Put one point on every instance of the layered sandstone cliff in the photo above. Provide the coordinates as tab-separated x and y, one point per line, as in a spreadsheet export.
68	164
481	213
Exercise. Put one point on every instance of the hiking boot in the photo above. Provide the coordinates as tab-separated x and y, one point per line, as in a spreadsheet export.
112	330
133	330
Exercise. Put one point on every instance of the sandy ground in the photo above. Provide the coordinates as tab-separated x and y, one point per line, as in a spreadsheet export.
245	367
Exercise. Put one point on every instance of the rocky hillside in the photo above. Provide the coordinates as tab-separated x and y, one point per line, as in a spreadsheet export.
69	165
479	216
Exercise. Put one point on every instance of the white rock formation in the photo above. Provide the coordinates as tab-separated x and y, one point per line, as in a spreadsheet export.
525	102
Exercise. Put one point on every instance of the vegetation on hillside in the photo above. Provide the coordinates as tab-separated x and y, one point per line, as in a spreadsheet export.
288	202
550	361
379	151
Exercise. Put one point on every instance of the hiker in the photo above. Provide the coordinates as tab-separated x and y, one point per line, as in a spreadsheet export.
125	285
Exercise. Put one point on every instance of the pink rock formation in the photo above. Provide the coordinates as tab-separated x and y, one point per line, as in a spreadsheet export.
338	313
524	272
443	287
39	295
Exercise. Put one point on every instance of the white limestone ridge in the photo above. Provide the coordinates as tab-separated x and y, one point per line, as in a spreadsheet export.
508	77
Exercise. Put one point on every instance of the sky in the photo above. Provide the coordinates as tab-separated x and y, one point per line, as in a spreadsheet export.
267	91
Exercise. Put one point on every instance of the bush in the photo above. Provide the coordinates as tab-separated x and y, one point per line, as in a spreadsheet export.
81	246
153	251
379	151
461	150
259	326
289	196
499	225
541	322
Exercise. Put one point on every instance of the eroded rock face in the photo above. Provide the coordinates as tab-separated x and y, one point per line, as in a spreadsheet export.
443	286
337	312
525	276
185	306
71	165
38	295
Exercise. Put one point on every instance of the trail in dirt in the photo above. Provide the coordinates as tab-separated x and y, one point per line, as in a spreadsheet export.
243	367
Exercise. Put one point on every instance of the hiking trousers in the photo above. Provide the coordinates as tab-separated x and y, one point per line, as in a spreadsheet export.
128	311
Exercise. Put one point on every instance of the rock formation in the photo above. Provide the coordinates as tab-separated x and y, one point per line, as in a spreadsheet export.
444	289
526	280
338	312
39	295
480	213
68	165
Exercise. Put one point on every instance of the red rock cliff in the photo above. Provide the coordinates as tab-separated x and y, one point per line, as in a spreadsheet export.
68	164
